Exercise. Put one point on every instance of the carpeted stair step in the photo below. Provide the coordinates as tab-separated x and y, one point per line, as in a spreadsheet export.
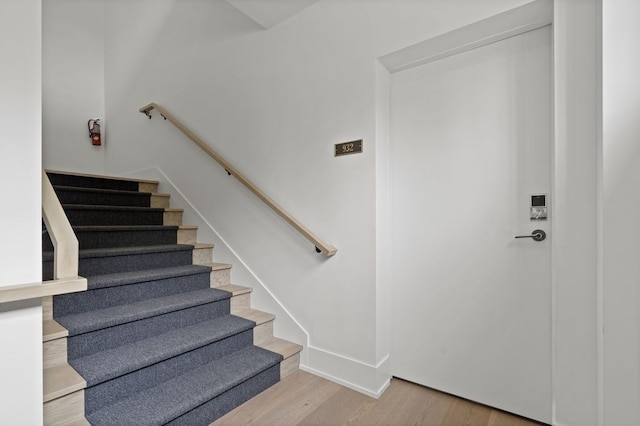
107	364
90	237
88	181
153	342
111	391
87	215
102	197
198	396
124	259
105	291
162	358
94	331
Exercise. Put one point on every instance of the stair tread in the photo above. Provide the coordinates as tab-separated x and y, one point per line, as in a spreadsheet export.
112	208
119	251
125	278
51	330
100	190
217	266
120	228
98	319
106	365
185	227
281	346
259	317
203	246
187	391
124	251
80	229
61	380
89	175
235	290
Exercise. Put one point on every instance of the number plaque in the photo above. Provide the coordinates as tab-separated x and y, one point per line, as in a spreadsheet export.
346	148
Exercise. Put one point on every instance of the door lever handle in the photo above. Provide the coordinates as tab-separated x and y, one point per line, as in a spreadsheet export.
536	234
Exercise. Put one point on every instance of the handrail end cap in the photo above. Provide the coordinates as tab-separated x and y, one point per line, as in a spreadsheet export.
145	109
331	251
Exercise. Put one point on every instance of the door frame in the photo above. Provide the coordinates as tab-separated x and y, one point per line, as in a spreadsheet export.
576	251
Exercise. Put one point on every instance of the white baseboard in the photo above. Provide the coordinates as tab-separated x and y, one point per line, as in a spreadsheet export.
371	380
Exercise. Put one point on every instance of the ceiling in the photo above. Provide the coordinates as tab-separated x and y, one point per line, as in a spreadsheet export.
268	13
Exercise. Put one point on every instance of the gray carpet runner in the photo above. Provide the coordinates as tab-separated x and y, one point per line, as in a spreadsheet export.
154	342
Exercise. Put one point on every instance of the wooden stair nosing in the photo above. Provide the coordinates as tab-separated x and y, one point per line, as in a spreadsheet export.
219	266
65	411
51	330
283	347
61	380
220	275
201	246
259	317
235	290
158	200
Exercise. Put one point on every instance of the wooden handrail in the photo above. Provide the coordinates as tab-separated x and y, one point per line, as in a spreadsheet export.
65	243
15	293
321	246
65	254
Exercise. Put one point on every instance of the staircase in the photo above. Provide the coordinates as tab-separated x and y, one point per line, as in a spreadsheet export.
161	336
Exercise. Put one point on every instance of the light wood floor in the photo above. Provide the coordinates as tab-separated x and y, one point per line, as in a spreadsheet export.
305	399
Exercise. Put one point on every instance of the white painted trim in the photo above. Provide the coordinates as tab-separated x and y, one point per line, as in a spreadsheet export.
531	16
575	230
553	212
370	380
384	219
600	196
377	394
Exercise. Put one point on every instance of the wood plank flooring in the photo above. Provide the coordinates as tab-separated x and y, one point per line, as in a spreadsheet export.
305	399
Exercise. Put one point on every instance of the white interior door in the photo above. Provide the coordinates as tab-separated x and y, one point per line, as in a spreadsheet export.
471	139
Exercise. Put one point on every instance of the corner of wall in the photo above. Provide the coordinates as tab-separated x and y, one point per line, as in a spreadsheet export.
576	242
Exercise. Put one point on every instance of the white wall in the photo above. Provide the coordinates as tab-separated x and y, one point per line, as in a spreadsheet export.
20	251
621	202
274	103
72	83
575	227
